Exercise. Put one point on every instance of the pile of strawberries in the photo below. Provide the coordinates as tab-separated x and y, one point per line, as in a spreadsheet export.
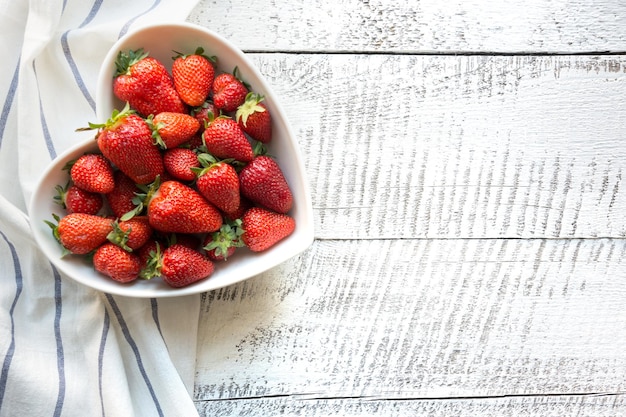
182	178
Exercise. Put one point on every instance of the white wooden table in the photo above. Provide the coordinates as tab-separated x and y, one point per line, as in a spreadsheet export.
466	160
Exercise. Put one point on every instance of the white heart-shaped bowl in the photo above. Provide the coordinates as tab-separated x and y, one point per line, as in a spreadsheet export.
160	40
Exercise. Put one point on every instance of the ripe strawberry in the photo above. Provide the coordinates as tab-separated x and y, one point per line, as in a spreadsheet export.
193	76
172	129
93	173
145	83
80	233
178	266
263	182
223	138
218	182
131	234
229	92
120	200
178	208
264	228
116	263
254	118
178	163
126	140
77	200
222	244
205	113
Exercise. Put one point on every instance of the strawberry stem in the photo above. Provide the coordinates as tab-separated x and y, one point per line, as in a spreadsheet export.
237	75
56	235
116	115
125	61
208	161
249	107
199	51
259	149
59	198
141	200
228	236
158	141
153	265
119	237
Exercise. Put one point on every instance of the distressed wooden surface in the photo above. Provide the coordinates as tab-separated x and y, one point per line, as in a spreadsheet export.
551	406
469	209
421	319
424	26
467	146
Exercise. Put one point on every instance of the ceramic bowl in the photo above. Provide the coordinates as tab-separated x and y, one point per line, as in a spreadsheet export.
160	40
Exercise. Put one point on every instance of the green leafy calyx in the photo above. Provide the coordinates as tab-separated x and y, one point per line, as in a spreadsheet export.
125	60
249	107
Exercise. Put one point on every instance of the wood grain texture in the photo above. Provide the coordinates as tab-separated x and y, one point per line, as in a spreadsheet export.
466	175
425	26
549	406
448	147
421	319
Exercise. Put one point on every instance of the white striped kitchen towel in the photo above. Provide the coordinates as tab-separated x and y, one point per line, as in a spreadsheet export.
66	350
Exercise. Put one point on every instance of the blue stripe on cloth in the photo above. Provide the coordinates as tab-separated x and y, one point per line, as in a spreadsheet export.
44	125
155	314
58	303
103	340
8	100
130	22
133	346
6	364
70	59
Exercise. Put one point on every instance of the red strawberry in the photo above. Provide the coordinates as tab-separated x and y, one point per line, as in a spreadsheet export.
116	263
223	138
80	233
145	83
178	266
179	162
263	182
172	129
93	173
131	234
77	200
264	228
120	200
222	244
178	208
218	182
254	118
126	140
205	113
229	92
193	76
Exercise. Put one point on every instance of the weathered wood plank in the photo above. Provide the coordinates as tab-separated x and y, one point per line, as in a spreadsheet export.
548	406
421	319
448	147
418	26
